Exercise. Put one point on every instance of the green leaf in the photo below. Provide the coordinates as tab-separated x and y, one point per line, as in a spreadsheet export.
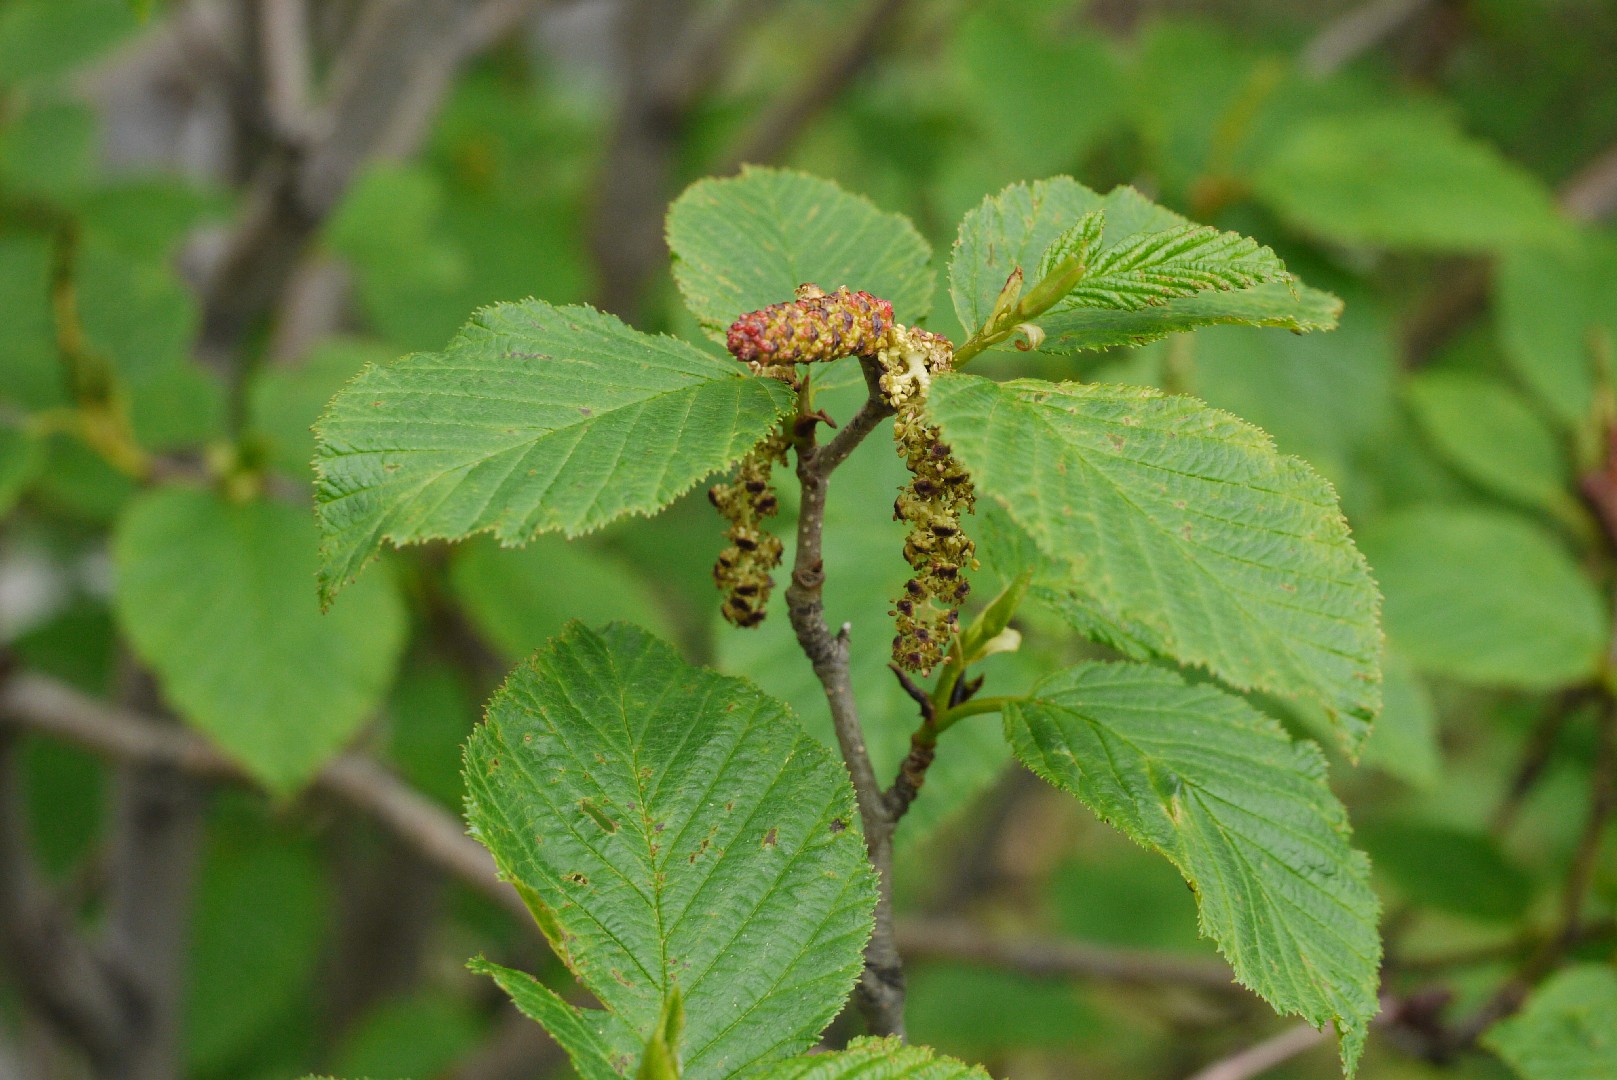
1016	227
48	152
517	598
44	39
599	1044
1240	809
534	419
661	1059
246	975
1493	438
1486	598
1448	869
1078	242
215	598
874	1059
669	825
1184	522
422	1034
1568	1031
285	400
1407	180
747	241
22	456
1150	269
30	370
1404	741
1551	302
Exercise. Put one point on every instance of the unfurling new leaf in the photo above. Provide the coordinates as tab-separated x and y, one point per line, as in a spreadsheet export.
1158	273
1150	269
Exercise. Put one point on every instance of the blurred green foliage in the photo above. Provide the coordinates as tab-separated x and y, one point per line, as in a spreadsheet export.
1462	454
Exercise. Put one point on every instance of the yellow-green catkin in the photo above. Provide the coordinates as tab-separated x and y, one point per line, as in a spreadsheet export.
744	570
939	493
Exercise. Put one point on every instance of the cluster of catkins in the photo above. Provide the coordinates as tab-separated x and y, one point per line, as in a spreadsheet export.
932	503
827	326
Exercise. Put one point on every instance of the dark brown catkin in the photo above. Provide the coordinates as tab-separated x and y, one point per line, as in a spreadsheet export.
743	571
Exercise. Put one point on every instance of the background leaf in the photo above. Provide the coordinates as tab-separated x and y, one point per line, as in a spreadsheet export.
1405	179
748	241
1240	809
1568	1030
247	974
671	825
1485	597
519	597
1494	438
534	419
215	597
21	458
1449	869
1550	302
1185	521
1404	741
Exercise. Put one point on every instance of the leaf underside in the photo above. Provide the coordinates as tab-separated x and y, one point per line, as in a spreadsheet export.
669	825
535	419
1181	529
1240	809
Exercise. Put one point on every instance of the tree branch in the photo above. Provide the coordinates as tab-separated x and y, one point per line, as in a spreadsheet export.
1580	875
1590	195
153	851
775	132
1044	958
283	36
63	979
385	90
880	993
41	704
1259	1058
1355	33
672	53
